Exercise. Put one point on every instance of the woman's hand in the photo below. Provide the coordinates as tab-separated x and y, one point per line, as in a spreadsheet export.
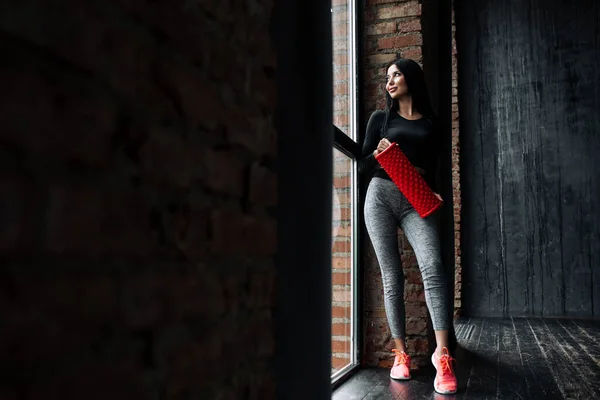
383	144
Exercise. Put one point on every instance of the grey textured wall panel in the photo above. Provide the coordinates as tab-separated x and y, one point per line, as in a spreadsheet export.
529	93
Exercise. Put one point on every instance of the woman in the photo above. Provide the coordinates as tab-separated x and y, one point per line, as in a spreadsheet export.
407	121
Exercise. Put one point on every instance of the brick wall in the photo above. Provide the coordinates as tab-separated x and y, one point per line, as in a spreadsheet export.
393	29
456	197
136	192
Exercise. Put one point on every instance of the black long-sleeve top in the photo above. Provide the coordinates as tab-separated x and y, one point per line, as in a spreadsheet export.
418	139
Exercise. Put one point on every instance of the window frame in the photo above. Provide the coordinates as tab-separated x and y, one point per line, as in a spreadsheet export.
349	144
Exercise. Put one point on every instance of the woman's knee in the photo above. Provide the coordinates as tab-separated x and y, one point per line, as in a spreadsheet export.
433	273
393	285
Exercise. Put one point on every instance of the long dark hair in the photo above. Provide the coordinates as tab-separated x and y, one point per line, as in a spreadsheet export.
415	81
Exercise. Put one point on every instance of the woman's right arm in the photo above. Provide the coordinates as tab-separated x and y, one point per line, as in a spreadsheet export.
367	161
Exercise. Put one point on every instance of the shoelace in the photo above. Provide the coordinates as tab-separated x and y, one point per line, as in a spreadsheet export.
402	357
445	360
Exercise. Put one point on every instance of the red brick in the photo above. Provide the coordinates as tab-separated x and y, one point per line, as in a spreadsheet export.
234	233
198	97
341	278
223	171
20	203
339	214
260	234
340	59
417	346
416	326
343	231
416	310
341	329
416	294
341	247
414	54
413	25
340	45
340	30
409	260
381	28
376	59
340	89
385	363
83	220
184	289
261	285
378	313
339	15
342	295
263	185
342	198
377	75
413	275
254	134
409	9
341	262
53	115
341	182
399	41
340	312
340	346
340	73
187	228
178	25
375	89
143	300
341	120
165	159
340	103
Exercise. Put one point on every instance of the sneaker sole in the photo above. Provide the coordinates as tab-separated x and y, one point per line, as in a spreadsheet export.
400	378
444	392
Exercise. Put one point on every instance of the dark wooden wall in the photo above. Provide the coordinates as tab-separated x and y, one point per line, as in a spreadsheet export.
529	87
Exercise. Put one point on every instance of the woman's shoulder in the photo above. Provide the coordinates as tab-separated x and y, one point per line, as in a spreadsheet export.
378	115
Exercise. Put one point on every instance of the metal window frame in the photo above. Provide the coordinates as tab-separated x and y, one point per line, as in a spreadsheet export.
349	145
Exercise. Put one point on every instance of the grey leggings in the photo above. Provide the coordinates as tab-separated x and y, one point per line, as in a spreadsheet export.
386	209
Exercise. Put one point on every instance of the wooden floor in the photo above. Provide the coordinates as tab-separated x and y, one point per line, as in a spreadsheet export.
514	358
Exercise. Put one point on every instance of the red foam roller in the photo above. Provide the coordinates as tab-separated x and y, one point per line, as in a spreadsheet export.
409	181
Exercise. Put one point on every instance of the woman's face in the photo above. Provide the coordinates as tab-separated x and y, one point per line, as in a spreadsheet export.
396	85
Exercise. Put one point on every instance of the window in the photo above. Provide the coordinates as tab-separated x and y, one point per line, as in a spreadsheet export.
344	224
344	271
344	61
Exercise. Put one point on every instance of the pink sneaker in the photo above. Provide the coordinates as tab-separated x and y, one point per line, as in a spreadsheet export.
401	368
445	379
